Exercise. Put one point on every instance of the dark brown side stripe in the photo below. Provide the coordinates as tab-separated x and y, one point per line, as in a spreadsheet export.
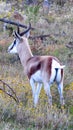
35	65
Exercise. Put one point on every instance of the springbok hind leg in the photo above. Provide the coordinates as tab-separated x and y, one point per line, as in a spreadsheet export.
60	90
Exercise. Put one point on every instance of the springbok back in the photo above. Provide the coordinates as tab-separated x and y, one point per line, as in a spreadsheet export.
39	69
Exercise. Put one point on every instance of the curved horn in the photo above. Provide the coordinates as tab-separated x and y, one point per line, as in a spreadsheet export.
18	30
21	34
17	35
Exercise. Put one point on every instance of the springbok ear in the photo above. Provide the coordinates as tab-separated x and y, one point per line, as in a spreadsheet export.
19	37
27	34
16	35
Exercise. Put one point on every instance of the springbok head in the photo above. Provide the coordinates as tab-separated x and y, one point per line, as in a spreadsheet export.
18	38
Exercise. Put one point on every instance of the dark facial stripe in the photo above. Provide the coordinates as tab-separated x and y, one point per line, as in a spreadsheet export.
13	45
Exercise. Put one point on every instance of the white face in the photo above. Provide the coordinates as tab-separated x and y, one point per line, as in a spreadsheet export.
13	47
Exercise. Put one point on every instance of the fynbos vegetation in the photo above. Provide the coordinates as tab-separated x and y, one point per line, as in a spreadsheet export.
17	111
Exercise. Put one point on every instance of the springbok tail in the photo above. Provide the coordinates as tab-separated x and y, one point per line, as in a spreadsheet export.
61	67
57	65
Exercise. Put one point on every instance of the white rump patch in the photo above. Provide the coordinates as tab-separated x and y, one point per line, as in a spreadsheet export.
55	64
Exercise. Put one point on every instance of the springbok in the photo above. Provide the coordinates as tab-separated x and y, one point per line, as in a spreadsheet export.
39	69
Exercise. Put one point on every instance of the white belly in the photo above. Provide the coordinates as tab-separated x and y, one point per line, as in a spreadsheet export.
37	77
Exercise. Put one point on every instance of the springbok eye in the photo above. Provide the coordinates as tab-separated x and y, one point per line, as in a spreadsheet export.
14	42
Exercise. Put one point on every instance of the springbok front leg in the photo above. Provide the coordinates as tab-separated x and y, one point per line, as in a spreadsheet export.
48	92
33	86
35	90
37	93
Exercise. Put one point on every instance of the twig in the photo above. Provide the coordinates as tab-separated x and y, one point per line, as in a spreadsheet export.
8	94
40	36
70	46
3	89
24	26
13	23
